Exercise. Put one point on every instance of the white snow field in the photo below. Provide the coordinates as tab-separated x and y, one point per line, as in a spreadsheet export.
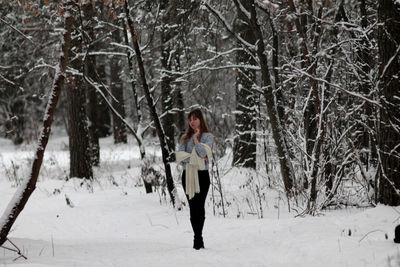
115	223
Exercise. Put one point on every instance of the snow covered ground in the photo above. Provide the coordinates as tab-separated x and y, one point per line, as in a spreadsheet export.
114	223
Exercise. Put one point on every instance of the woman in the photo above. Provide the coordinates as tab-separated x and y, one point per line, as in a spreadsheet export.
195	153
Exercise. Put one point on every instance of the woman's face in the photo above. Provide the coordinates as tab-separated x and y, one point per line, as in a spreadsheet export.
194	122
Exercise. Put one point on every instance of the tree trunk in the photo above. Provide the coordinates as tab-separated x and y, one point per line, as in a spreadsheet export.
91	96
167	33
132	75
103	116
79	145
22	195
389	132
119	128
366	137
180	115
147	185
92	114
245	143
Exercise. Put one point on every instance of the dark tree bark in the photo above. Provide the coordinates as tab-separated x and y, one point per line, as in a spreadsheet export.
92	111
118	99
168	11
132	74
103	116
21	197
79	145
366	139
389	132
245	143
91	95
180	115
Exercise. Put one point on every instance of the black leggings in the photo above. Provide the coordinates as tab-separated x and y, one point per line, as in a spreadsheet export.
196	204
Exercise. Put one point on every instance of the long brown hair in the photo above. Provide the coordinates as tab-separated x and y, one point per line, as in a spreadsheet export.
203	125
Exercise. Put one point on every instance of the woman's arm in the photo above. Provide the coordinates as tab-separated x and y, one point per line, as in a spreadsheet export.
182	147
206	139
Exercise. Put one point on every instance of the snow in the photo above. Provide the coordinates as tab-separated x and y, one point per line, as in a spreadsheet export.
114	223
13	203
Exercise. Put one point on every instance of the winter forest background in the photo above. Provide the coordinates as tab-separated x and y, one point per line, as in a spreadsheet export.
302	96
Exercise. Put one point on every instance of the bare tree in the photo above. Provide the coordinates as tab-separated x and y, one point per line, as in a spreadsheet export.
166	153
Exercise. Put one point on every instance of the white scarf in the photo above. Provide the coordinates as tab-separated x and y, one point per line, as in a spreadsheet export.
195	164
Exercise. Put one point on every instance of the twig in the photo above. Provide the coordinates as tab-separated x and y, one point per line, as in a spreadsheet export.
40	253
52	244
15	29
15	249
397	212
151	223
370	233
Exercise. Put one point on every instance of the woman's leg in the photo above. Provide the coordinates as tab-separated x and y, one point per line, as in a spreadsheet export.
204	180
196	205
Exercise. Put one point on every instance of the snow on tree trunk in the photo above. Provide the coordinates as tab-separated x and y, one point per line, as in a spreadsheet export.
26	188
245	143
167	34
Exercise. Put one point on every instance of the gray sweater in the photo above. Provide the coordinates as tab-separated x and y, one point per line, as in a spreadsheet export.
206	138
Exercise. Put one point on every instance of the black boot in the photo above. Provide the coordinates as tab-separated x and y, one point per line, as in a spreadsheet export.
198	242
197	225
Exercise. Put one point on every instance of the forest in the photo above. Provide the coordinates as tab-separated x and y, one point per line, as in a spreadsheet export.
302	93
